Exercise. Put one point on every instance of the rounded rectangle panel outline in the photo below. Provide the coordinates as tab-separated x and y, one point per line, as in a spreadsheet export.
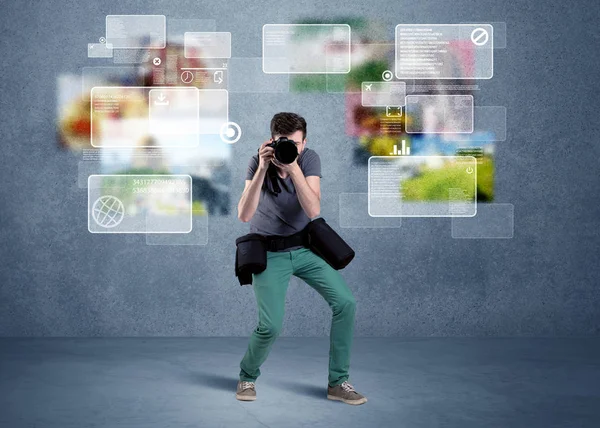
148	89
164	26
349	201
185	53
491	39
474	160
368	84
198	236
408	131
460	226
137	175
309	72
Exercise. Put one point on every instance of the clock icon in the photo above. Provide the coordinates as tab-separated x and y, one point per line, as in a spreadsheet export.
187	76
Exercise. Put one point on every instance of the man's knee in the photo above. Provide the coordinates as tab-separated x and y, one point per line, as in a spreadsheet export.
268	331
344	304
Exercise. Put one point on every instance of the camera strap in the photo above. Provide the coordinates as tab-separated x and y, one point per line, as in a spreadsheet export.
271	182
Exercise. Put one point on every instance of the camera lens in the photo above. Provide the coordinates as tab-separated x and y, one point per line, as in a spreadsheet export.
286	151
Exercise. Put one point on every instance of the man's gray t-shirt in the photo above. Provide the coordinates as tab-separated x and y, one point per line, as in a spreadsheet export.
282	214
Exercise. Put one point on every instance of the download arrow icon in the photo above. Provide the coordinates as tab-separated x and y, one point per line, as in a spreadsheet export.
161	100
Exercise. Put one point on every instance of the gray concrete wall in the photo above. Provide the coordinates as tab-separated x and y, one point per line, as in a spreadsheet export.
56	279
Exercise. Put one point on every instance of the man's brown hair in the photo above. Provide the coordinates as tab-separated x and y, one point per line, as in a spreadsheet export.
287	123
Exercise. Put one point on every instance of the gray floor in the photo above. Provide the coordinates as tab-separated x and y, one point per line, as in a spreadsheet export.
181	382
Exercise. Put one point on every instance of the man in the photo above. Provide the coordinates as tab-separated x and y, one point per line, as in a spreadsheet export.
285	213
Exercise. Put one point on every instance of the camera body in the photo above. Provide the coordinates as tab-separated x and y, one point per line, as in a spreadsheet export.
285	150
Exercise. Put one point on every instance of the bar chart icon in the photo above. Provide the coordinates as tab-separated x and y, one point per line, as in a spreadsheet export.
405	151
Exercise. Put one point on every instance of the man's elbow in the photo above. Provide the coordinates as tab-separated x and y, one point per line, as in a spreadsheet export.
314	212
240	215
243	218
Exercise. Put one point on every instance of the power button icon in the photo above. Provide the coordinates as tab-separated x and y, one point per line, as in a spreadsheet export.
469	170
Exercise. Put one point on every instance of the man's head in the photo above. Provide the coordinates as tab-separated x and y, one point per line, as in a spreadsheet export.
291	126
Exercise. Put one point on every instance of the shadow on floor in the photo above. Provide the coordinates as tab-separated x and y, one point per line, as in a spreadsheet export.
303	388
224	383
228	383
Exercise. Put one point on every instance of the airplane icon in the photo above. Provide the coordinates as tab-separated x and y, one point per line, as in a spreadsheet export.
368	87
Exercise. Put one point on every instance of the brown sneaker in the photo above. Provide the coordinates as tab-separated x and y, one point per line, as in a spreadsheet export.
245	391
346	393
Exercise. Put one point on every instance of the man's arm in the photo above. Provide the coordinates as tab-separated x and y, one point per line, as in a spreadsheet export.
251	194
308	190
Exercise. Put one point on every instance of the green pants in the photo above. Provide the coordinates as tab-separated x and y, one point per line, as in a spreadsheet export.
270	287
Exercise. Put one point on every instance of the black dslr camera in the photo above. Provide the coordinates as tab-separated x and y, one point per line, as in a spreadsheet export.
285	150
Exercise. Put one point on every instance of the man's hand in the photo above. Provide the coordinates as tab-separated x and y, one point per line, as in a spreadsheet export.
290	168
265	155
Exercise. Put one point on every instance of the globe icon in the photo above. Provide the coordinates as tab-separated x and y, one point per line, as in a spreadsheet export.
108	211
